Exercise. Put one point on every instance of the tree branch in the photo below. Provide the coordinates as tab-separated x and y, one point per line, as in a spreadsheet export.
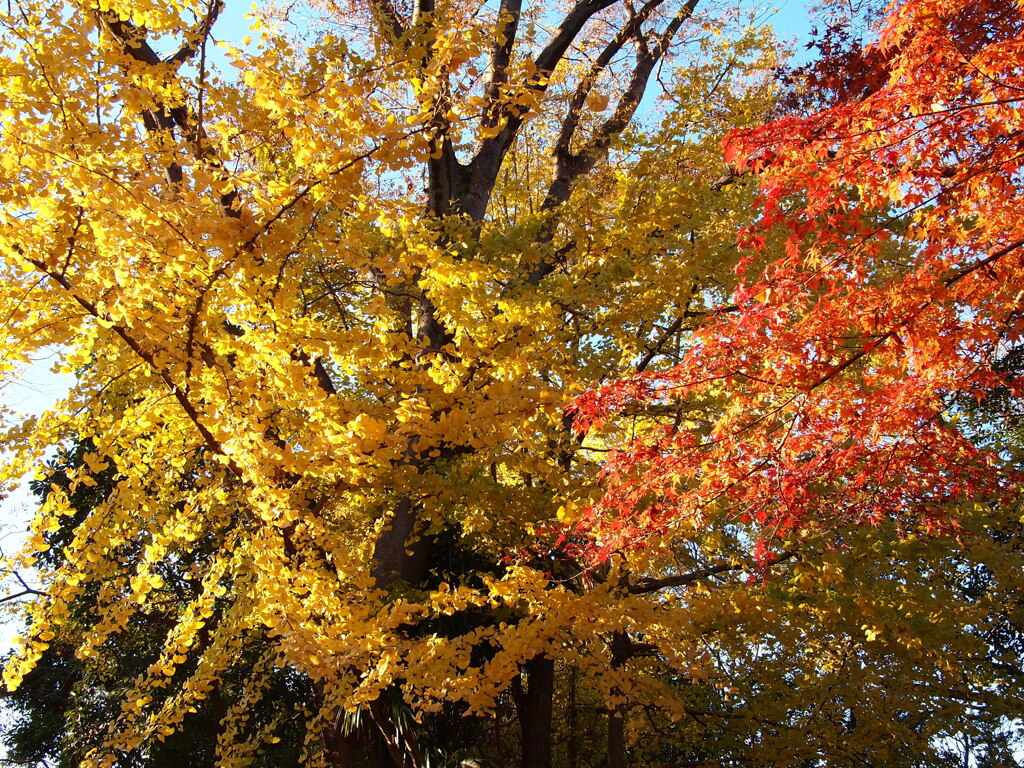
655	348
179	394
629	31
23	593
571	25
501	53
196	38
388	18
569	166
646	586
484	168
162	118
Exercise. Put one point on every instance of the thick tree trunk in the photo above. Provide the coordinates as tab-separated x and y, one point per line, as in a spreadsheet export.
534	705
395	557
362	748
572	750
616	739
616	716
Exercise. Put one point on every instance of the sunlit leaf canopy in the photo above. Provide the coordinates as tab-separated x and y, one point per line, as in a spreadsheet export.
326	310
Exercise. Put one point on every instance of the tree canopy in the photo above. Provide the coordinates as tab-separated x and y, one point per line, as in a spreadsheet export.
892	302
428	410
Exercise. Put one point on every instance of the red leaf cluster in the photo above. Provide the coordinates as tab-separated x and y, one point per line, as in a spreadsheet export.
899	217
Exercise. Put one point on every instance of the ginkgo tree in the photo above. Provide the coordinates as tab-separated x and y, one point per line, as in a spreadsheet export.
326	314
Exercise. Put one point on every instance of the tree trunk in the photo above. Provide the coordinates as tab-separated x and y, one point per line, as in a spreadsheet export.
616	715
533	704
396	558
616	739
572	751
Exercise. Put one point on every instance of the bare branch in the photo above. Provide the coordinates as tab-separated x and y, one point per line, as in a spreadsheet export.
629	31
483	169
992	257
567	31
501	54
23	593
655	347
570	166
195	39
26	590
646	586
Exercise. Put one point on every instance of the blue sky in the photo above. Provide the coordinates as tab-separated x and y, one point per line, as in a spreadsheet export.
791	19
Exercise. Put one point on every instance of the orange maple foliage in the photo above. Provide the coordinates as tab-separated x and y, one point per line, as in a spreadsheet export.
843	363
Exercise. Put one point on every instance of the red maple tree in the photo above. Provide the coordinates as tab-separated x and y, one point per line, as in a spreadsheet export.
899	211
